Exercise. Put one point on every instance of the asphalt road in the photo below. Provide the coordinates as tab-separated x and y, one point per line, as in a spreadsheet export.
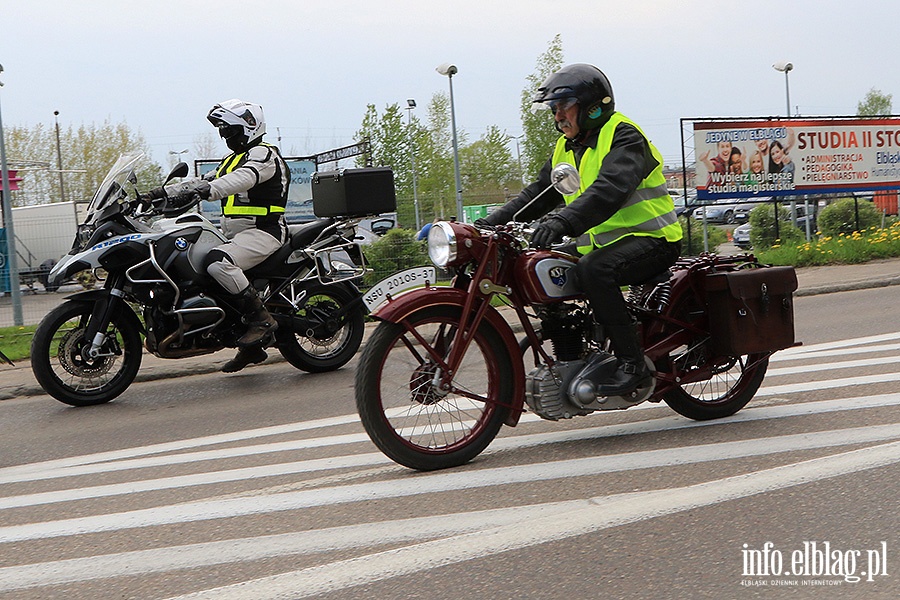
262	484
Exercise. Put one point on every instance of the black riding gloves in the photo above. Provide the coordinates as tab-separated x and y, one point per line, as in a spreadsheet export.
549	232
186	192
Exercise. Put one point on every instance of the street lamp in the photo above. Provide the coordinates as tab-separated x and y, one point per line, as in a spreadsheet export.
785	67
178	153
451	70
15	292
519	158
410	105
62	189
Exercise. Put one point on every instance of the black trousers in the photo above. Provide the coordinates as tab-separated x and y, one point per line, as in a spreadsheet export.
629	261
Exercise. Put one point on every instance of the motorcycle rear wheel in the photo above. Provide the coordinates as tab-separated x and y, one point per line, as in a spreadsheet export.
334	342
734	382
60	367
408	417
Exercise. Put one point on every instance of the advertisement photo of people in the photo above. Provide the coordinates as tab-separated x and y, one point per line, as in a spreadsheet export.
744	158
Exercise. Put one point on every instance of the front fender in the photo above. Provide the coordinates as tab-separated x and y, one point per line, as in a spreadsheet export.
94	296
88	296
403	306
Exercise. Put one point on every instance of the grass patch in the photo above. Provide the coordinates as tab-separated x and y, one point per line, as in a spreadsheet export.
15	342
857	247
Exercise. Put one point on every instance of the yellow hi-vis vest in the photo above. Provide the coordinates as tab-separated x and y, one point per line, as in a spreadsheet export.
648	211
259	196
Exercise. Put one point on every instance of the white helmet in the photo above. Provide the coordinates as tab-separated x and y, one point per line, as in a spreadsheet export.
239	123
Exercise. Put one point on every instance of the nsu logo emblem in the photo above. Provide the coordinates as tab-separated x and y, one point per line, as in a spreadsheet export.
559	275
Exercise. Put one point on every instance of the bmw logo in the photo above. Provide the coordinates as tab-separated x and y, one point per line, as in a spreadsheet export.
181	244
558	275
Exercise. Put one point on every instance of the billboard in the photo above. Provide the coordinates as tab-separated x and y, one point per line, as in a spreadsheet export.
743	158
299	205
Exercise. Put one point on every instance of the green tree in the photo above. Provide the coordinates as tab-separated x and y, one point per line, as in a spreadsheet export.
395	251
693	246
91	148
538	126
848	215
488	169
762	227
875	104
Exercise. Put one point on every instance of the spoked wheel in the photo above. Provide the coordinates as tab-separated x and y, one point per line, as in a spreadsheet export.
331	340
400	401
62	367
734	379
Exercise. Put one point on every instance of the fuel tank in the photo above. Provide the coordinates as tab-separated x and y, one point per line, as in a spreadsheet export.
546	276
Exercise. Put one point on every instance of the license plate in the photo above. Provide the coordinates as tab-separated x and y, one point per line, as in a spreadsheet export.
397	284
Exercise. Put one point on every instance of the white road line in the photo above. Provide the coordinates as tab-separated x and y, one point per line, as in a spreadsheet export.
794	388
847	364
848	343
819	354
445	481
256	548
222	438
594	515
510	443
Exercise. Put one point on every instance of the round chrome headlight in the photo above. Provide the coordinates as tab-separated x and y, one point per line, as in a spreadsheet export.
441	244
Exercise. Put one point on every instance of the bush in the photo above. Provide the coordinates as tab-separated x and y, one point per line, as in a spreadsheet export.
840	217
694	246
762	227
395	251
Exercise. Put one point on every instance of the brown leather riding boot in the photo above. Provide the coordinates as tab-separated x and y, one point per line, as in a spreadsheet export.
260	322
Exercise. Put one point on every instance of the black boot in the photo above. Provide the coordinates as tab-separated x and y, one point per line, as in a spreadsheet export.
632	371
244	357
260	322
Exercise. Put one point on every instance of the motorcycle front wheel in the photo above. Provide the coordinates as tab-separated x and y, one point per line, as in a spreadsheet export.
403	409
59	363
331	340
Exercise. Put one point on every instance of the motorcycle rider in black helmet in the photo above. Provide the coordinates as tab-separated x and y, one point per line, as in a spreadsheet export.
252	183
622	215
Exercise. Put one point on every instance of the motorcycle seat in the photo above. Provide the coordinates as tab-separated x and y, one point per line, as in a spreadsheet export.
299	236
304	234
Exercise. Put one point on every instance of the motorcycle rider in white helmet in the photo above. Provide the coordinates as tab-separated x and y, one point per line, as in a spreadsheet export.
252	183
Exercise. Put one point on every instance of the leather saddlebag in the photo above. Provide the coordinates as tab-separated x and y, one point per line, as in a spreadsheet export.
751	310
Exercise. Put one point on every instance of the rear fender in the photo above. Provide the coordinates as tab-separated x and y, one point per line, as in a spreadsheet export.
397	310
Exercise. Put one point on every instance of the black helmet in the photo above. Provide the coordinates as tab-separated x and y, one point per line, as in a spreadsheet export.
588	85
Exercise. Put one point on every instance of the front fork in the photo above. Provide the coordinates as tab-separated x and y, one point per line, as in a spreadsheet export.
101	315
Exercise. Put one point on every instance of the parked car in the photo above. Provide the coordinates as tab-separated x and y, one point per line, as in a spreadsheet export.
741	233
742	211
741	236
722	211
678	197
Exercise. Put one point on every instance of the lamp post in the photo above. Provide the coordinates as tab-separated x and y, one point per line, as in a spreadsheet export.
178	153
15	292
519	158
451	70
62	189
410	105
785	67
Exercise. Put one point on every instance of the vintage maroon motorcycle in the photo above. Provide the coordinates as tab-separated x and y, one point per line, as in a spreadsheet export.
443	371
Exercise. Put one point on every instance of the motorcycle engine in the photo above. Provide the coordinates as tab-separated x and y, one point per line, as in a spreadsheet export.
184	331
545	391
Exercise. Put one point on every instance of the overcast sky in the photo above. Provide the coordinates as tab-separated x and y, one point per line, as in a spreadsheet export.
315	65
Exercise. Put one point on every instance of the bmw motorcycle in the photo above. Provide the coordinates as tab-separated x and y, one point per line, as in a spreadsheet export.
443	371
88	350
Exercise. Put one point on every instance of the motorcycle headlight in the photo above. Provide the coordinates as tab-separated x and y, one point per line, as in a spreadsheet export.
442	244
